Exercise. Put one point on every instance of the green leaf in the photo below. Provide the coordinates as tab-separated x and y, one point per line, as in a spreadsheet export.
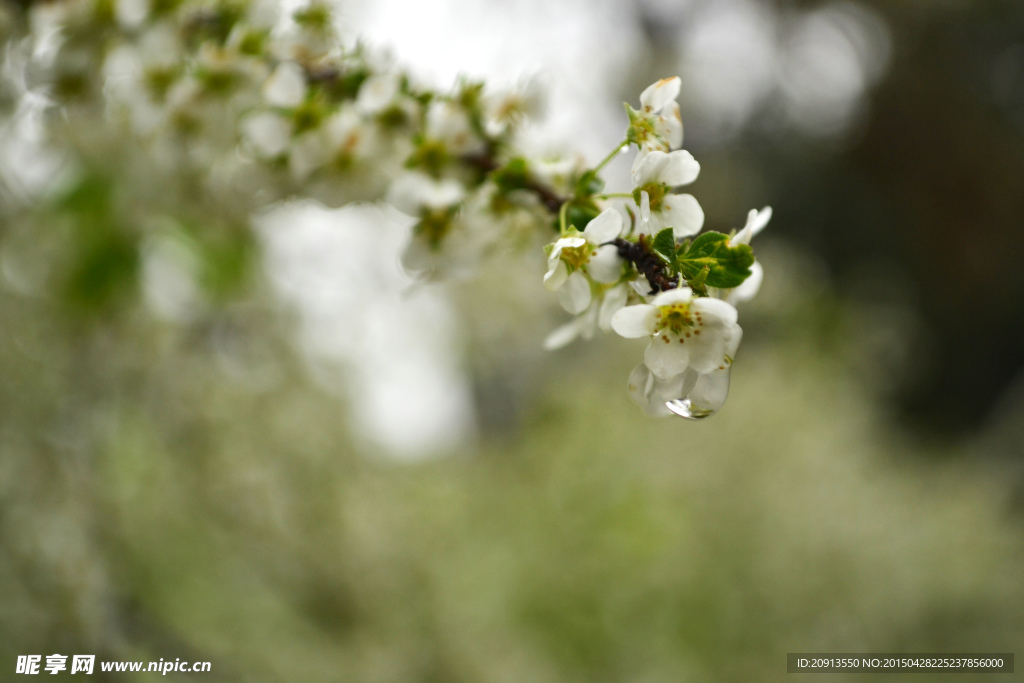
697	284
589	184
581	212
512	176
728	266
664	245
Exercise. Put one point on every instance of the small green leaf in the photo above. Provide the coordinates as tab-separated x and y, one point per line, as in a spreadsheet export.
697	284
728	266
664	245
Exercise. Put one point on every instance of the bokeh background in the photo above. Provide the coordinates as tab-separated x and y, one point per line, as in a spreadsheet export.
297	464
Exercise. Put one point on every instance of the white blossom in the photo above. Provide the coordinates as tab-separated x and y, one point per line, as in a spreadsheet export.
377	93
658	126
268	132
756	222
505	109
448	123
655	173
686	332
286	86
413	192
672	168
587	252
690	394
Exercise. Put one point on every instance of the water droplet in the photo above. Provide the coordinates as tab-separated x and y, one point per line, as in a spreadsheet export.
683	407
705	397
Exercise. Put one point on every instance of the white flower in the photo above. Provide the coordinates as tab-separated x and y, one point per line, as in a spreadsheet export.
286	87
342	139
268	132
583	252
131	13
691	394
448	123
687	332
658	126
672	169
503	110
377	93
756	222
450	238
655	173
414	192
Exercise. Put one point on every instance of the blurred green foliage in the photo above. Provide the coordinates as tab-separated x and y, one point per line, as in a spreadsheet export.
188	491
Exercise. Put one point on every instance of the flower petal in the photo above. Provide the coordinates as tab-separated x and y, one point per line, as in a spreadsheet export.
562	336
377	92
574	295
707	352
417	257
659	94
604	228
679	295
565	243
443	193
714	310
410	192
286	87
666	357
557	274
733	344
750	287
645	214
759	220
614	300
647	167
669	127
680	168
605	265
756	222
683	213
267	132
635	321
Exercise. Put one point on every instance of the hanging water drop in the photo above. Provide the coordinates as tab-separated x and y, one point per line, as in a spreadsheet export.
705	397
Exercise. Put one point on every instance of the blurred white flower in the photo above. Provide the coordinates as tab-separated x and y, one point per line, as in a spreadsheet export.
286	86
343	139
268	132
505	109
377	93
448	123
413	192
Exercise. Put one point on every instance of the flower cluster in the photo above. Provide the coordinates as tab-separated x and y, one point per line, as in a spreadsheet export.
646	278
235	107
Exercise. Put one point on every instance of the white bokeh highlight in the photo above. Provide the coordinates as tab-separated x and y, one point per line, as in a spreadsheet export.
395	341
